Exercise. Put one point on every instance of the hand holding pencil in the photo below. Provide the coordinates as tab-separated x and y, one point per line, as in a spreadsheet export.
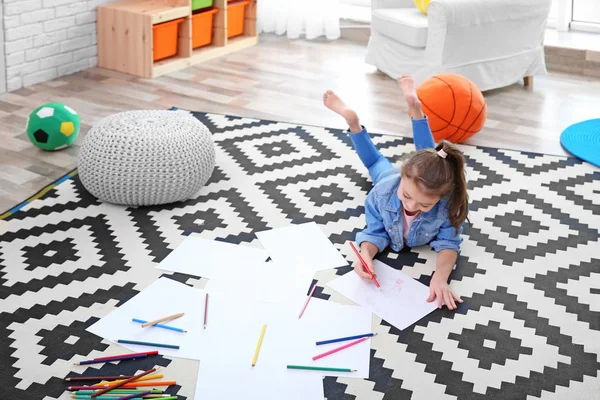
364	265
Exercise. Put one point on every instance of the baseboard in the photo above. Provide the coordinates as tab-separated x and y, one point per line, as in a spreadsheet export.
356	31
571	60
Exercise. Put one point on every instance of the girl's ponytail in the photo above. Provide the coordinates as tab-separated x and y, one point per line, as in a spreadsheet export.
458	206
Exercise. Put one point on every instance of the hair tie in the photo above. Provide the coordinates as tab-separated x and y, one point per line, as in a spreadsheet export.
442	153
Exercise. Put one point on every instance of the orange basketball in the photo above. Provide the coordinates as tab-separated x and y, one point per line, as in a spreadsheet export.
454	105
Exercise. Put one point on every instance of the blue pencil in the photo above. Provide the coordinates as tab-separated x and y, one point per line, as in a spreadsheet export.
168	346
345	338
171	328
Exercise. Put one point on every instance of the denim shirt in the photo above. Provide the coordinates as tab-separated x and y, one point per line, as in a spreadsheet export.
384	216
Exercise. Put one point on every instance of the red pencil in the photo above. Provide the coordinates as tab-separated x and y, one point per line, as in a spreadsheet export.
131	385
96	378
148	353
364	265
205	309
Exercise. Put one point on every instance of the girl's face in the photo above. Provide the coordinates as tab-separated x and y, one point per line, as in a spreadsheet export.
413	198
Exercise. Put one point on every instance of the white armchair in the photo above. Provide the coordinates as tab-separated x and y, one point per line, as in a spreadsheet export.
494	43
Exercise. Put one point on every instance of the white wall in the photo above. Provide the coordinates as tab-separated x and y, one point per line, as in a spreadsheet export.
45	39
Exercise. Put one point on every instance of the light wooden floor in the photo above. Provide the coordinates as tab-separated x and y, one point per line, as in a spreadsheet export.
281	80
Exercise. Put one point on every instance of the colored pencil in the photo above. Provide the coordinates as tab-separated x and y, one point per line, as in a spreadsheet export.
163	319
260	339
310	368
339	348
364	265
171	328
117	391
343	339
205	310
94	378
117	396
307	300
121	358
168	346
148	353
132	385
145	378
133	396
126	381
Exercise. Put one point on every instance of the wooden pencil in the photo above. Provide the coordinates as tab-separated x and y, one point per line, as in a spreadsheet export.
163	319
116	396
126	381
168	327
131	385
339	348
133	396
105	360
312	368
343	339
205	310
168	346
145	378
94	378
307	300
260	339
148	353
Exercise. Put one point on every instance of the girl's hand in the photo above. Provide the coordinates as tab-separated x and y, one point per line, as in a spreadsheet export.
358	268
439	288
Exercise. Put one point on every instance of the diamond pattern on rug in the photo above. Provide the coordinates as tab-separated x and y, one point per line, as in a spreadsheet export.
67	260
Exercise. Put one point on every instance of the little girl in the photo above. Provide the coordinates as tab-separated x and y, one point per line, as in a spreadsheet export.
424	202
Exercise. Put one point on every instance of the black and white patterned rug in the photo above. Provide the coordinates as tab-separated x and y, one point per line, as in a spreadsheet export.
529	272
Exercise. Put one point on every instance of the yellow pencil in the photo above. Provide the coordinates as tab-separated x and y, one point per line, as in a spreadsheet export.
260	339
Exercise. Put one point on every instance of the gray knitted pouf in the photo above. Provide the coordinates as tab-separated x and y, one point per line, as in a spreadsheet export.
146	157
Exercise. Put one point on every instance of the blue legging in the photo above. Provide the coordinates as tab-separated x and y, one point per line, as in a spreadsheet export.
376	162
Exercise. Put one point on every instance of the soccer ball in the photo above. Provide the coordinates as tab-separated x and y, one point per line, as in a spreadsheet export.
53	126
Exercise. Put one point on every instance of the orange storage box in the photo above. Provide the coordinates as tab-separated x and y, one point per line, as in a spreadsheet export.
235	18
165	38
202	28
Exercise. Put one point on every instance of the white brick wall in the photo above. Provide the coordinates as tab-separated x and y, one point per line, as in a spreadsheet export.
46	39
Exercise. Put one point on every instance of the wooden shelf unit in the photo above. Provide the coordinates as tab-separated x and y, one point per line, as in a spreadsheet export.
125	35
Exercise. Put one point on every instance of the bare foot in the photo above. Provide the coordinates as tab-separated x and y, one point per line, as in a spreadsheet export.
335	104
407	85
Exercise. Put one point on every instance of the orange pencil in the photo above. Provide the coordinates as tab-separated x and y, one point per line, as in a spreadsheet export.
364	265
122	383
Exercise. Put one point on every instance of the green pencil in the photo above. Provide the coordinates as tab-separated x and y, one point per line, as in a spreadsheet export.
320	368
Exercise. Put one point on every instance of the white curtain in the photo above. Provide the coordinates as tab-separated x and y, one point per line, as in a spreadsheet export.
294	18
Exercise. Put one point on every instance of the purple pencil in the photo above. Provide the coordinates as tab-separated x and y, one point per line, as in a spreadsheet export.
133	396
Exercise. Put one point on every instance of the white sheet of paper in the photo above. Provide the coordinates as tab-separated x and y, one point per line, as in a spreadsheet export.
220	381
401	302
267	282
201	257
162	298
323	320
287	340
303	244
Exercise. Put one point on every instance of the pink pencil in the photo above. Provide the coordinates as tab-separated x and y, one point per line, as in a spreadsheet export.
339	348
307	300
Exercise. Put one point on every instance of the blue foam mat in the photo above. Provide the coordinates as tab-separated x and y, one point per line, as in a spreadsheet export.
583	140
